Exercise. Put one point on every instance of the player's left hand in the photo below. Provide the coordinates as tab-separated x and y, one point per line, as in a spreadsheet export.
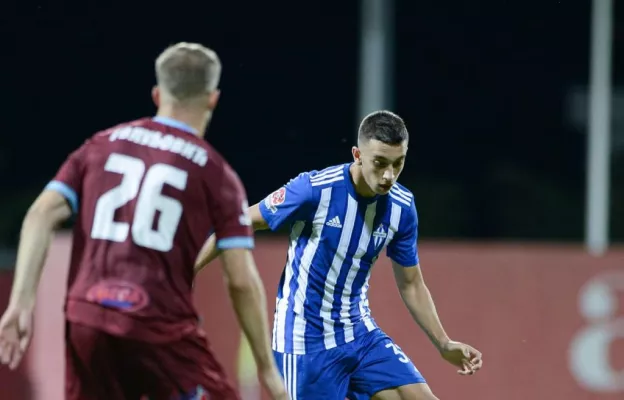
15	333
461	355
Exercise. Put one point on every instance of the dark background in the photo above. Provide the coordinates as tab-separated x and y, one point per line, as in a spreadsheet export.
482	85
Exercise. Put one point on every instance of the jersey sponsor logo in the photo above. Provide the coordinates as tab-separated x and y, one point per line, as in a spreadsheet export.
275	199
198	393
118	294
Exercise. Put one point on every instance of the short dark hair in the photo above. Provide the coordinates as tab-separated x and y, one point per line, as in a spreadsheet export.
385	126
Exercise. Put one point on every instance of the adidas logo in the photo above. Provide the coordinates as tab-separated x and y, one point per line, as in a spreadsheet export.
334	222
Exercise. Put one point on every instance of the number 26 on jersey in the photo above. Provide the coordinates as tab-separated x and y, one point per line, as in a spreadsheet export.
150	200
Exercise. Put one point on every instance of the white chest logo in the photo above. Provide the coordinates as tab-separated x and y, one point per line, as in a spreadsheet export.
379	236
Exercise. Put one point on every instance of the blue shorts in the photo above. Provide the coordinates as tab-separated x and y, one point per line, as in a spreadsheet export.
356	370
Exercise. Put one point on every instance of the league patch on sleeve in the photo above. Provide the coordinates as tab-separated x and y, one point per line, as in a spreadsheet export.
275	199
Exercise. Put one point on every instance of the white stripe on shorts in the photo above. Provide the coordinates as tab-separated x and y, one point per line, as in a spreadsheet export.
289	369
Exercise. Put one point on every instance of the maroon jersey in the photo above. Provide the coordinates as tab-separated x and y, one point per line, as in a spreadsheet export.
146	194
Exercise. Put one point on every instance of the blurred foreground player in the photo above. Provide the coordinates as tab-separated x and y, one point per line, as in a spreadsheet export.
145	194
341	219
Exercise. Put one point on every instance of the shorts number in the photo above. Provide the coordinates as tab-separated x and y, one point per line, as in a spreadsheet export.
150	201
398	352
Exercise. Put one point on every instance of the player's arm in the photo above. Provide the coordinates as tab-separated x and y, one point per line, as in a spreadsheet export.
44	216
53	206
233	238
283	206
403	251
210	251
419	302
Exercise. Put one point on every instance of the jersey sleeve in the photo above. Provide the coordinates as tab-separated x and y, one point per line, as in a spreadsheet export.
403	248
288	203
230	214
69	178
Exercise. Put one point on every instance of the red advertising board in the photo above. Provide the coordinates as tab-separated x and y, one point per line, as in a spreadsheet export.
548	318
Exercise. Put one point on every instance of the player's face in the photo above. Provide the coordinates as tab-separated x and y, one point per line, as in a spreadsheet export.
381	164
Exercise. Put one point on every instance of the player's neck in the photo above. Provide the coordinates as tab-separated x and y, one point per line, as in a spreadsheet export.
360	185
197	121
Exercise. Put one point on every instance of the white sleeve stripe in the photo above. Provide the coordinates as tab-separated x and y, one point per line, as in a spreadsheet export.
328	171
400	199
395	190
399	195
401	191
325	176
338	178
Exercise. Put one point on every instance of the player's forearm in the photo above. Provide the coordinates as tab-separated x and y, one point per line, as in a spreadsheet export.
249	302
36	234
207	254
210	251
419	302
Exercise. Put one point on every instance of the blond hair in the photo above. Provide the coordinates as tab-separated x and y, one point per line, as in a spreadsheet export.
186	71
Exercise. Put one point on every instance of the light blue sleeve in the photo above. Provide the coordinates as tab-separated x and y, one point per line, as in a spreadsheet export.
66	191
403	248
289	203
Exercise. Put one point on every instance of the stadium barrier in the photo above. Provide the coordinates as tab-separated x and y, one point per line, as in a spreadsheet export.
548	318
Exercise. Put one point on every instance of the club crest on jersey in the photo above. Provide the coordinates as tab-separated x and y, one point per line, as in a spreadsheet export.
275	199
379	236
118	294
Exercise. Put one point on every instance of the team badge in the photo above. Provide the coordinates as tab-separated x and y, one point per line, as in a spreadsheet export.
379	236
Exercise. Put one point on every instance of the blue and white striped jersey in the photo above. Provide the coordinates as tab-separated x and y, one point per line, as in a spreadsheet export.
336	237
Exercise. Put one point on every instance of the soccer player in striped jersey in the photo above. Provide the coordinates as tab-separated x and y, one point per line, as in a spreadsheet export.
341	219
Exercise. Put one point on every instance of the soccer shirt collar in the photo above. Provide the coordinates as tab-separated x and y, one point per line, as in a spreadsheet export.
174	123
351	187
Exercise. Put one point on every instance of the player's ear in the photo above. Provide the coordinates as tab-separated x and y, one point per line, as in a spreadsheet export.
357	155
213	99
156	96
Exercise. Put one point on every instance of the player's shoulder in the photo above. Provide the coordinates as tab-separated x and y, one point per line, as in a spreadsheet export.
401	196
328	177
310	184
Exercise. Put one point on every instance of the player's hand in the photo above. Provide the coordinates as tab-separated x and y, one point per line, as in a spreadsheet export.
461	355
15	333
274	384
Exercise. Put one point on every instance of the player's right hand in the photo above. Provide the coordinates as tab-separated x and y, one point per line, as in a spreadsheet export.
466	357
15	333
274	384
